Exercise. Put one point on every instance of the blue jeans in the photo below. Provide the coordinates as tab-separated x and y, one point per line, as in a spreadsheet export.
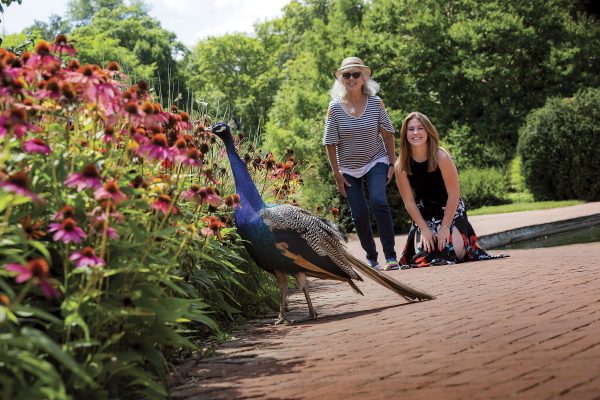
376	180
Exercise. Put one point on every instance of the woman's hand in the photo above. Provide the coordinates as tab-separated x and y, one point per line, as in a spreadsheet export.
427	240
341	183
443	237
390	174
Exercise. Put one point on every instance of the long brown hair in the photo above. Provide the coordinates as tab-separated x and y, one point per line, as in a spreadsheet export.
433	144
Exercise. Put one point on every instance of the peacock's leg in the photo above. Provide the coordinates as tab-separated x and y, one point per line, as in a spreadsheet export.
303	284
282	283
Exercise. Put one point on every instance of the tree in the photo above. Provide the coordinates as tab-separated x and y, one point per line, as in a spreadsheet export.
478	65
128	35
234	74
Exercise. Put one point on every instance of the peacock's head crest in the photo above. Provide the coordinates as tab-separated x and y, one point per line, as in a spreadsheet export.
223	130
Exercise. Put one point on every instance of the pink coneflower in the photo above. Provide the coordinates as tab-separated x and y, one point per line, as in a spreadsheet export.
97	227
202	195
18	183
36	145
157	148
42	59
48	89
67	231
163	203
233	200
152	115
88	178
97	86
62	45
36	268
86	258
214	227
31	230
191	157
15	121
110	190
66	211
284	170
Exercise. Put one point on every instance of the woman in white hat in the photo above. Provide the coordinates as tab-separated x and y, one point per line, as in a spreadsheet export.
359	138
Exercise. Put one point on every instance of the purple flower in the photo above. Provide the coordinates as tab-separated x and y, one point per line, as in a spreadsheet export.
157	148
86	258
163	204
37	268
110	190
36	145
191	157
18	183
15	121
67	231
202	195
88	178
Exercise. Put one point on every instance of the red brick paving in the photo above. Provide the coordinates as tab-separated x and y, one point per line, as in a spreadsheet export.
525	327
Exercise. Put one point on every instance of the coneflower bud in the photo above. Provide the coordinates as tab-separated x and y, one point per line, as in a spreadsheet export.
142	86
131	108
61	39
73	65
113	66
87	70
42	48
19	179
25	56
109	130
204	148
67	91
38	267
52	85
148	108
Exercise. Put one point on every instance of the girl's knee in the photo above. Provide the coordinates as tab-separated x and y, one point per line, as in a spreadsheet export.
458	244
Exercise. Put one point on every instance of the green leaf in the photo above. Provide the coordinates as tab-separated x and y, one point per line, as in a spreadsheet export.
29	311
76	320
43	342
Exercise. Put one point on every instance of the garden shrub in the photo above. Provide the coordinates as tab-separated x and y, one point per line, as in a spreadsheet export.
117	244
483	187
558	146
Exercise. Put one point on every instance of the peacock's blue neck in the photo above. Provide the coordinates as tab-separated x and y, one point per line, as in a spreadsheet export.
250	199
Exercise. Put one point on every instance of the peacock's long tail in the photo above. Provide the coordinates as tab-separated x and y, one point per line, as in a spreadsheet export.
409	293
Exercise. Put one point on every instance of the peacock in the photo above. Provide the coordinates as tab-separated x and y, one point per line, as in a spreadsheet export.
284	239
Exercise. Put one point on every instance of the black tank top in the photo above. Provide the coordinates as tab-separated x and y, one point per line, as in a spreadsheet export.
428	186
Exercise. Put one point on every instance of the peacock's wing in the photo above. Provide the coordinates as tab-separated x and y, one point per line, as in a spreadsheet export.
298	233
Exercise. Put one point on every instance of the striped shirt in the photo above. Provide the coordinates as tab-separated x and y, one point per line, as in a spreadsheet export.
359	145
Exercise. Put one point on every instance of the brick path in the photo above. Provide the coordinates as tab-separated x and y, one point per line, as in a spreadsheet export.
526	327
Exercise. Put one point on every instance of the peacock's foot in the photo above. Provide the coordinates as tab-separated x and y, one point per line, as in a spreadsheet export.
282	320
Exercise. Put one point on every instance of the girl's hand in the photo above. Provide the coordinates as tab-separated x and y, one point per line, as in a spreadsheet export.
427	240
443	237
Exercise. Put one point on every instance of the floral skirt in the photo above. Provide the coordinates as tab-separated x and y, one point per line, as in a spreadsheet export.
433	213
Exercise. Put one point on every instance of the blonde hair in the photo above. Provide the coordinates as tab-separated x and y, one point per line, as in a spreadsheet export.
370	87
433	144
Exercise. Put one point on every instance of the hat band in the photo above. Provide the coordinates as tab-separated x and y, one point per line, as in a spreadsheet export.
352	66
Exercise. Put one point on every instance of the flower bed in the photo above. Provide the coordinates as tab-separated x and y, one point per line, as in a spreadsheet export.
116	240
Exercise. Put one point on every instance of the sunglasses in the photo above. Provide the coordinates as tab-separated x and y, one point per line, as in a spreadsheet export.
355	75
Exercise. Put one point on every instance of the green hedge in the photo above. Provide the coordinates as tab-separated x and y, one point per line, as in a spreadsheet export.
558	145
483	187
